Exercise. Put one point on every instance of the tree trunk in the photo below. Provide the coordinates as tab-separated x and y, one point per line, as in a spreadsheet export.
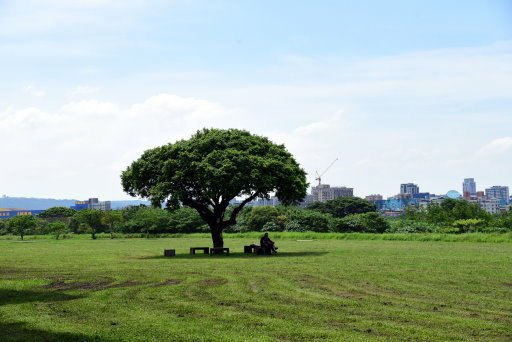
218	241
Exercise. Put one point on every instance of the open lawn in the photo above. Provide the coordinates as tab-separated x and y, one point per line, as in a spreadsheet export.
322	290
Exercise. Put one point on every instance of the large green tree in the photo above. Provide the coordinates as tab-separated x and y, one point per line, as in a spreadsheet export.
90	219
111	219
210	169
22	225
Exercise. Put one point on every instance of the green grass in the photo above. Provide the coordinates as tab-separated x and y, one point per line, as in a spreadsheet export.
321	290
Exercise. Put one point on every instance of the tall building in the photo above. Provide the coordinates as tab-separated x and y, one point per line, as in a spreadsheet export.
468	188
409	188
500	193
324	192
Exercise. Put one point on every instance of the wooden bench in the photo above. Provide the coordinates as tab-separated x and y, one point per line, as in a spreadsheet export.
258	250
169	252
219	250
204	249
252	249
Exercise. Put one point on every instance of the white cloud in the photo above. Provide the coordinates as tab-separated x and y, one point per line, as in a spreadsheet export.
33	90
165	105
497	146
324	127
81	148
83	91
26	117
89	109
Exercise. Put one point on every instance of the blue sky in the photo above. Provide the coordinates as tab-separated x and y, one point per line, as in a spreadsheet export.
400	91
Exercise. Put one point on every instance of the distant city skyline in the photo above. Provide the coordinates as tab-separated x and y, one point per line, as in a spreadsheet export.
404	188
399	91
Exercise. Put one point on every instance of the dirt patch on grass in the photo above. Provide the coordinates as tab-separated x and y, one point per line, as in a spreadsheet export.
7	270
128	283
102	284
213	281
507	284
9	273
96	285
61	285
169	282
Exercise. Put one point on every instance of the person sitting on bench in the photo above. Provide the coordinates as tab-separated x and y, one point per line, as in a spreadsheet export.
268	245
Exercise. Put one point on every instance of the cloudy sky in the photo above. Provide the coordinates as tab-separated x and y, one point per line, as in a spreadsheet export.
399	91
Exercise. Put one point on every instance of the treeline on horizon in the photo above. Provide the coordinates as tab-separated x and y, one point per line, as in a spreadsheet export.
344	215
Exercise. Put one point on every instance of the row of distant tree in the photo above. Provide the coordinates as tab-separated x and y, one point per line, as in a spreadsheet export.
339	215
358	215
452	216
135	219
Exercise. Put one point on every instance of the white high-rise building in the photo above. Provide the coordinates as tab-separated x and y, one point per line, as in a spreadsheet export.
492	205
324	192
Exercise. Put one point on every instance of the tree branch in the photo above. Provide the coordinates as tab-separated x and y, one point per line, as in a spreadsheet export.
203	211
234	213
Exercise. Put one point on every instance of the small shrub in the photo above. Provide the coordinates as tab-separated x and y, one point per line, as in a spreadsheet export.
293	226
270	226
411	226
363	223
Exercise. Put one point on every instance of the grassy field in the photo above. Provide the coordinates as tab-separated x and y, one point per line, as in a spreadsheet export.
321	290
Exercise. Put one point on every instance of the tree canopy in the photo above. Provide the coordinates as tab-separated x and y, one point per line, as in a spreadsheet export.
22	225
343	206
210	169
57	212
451	210
88	219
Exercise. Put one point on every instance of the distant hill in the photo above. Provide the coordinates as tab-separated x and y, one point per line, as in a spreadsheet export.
45	203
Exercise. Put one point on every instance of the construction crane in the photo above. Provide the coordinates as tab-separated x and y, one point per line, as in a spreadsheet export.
319	176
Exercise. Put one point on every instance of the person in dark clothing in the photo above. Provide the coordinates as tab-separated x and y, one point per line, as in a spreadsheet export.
268	245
